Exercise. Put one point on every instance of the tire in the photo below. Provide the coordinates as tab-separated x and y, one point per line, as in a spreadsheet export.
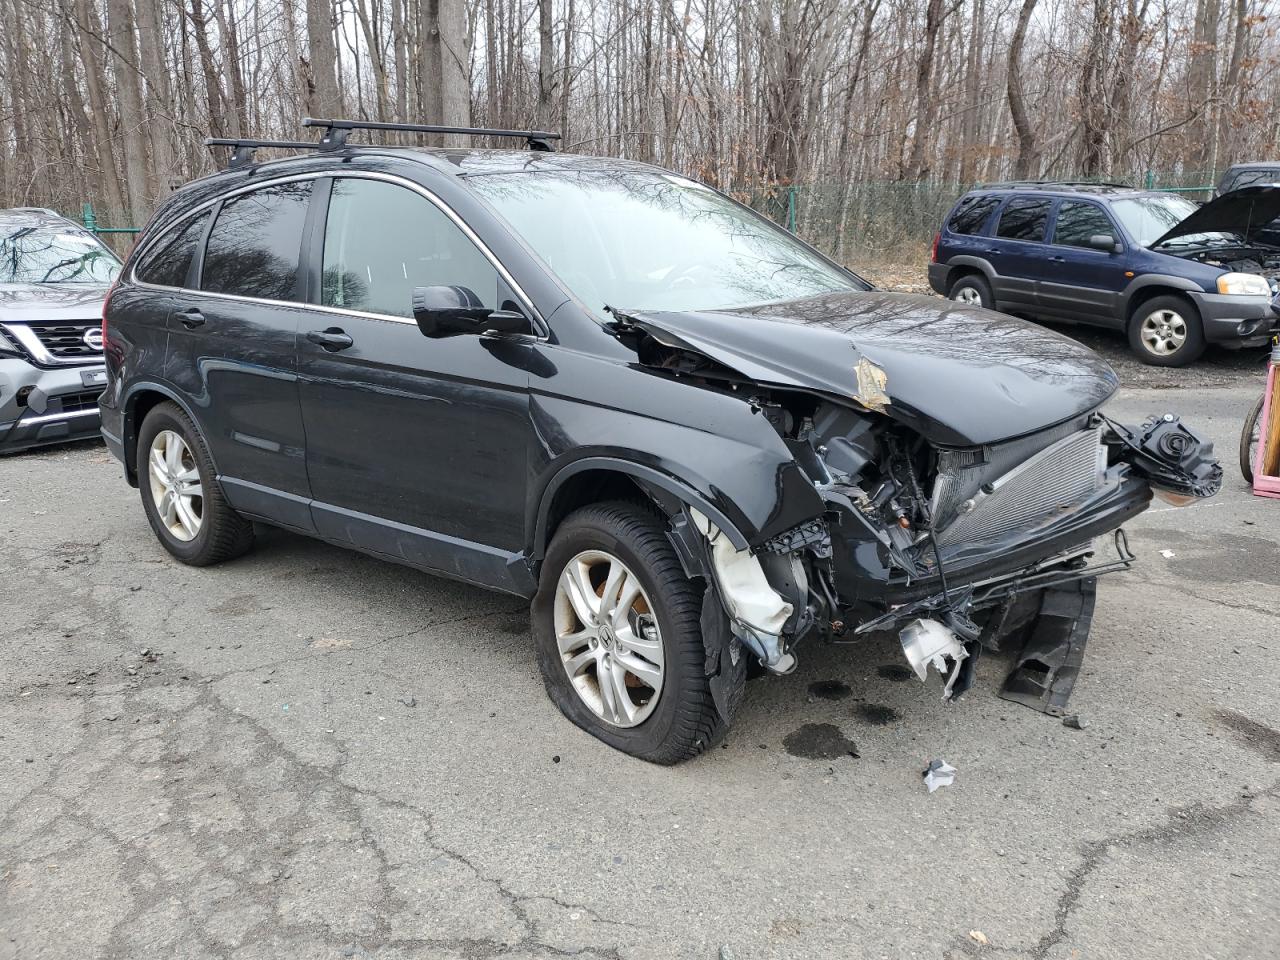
972	290
1247	439
1167	332
681	720
220	533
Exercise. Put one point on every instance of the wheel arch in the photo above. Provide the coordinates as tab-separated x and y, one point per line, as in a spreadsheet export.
1144	289
138	401
964	266
596	479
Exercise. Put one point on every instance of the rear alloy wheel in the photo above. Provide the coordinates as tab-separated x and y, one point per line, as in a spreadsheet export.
618	627
972	290
1166	332
180	492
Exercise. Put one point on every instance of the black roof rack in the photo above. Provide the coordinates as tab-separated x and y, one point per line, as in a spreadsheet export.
243	150
335	132
1051	184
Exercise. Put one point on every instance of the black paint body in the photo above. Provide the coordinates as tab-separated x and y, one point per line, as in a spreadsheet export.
459	455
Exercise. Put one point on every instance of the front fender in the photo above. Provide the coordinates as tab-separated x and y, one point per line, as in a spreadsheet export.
743	477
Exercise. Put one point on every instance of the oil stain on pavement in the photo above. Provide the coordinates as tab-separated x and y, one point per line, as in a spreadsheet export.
893	671
829	689
876	714
819	741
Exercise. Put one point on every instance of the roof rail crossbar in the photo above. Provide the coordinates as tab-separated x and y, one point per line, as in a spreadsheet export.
242	151
335	132
1055	183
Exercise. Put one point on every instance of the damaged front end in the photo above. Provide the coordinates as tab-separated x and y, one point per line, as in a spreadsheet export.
959	547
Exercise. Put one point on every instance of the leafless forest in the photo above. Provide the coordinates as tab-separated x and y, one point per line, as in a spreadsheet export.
109	100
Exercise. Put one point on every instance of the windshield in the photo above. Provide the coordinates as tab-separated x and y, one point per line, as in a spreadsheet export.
642	240
1149	218
50	255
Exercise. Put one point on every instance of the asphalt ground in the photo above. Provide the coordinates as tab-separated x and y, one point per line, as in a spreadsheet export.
310	753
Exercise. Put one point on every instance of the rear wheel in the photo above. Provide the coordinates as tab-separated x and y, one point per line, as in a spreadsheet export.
180	492
1250	437
1166	332
972	290
619	640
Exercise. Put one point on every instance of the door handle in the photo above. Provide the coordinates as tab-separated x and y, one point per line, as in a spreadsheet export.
332	339
993	249
1057	259
191	318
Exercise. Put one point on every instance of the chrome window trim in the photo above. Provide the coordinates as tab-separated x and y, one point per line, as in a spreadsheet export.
539	323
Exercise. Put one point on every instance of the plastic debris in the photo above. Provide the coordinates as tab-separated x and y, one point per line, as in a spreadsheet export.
1075	722
939	773
977	936
1167	554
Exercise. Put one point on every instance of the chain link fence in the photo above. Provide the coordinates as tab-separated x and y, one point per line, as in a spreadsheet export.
884	220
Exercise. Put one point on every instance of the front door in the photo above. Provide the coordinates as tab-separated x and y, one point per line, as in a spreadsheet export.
417	448
1082	282
231	349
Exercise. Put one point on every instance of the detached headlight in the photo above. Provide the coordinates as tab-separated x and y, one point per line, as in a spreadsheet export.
1243	284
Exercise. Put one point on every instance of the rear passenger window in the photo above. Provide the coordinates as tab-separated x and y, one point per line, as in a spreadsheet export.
382	240
972	214
1024	218
1077	222
255	243
168	261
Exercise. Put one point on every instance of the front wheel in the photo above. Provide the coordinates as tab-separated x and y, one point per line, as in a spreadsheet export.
1166	332
617	627
1250	437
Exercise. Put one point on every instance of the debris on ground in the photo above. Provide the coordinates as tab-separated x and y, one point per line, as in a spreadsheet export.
1167	554
939	773
977	936
409	701
1075	722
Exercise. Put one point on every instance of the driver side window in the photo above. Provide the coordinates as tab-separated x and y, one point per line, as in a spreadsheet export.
381	240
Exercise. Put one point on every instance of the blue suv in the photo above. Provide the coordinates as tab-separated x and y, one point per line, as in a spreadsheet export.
1173	274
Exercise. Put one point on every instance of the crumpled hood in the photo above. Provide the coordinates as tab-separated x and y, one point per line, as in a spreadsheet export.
958	375
1246	211
50	302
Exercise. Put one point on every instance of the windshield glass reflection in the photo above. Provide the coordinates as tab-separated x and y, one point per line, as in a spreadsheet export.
646	240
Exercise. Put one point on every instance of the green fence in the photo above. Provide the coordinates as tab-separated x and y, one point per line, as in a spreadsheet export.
885	218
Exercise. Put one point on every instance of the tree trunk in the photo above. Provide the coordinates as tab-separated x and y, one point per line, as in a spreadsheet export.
124	69
322	90
1028	159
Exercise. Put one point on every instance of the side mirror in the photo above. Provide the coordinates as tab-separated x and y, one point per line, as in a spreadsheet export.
451	311
1105	241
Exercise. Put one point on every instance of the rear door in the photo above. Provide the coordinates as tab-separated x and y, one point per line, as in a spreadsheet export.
417	448
1017	252
1081	282
232	349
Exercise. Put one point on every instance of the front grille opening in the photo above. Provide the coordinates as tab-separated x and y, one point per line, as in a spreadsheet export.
65	339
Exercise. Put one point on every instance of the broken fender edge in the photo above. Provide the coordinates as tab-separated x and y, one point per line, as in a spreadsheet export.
756	611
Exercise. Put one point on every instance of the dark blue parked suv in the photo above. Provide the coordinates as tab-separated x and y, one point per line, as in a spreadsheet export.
1172	274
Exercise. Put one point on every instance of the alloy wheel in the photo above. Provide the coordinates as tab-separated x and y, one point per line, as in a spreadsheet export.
175	485
1164	332
608	638
968	295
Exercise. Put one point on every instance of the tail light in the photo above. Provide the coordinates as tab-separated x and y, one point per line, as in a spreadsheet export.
933	250
106	302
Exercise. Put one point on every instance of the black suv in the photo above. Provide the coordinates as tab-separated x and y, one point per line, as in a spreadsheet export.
692	441
1172	274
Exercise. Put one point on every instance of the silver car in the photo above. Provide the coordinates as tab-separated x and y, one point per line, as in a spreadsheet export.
54	276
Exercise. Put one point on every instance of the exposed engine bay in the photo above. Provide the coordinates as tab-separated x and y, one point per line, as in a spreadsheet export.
1259	259
959	549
